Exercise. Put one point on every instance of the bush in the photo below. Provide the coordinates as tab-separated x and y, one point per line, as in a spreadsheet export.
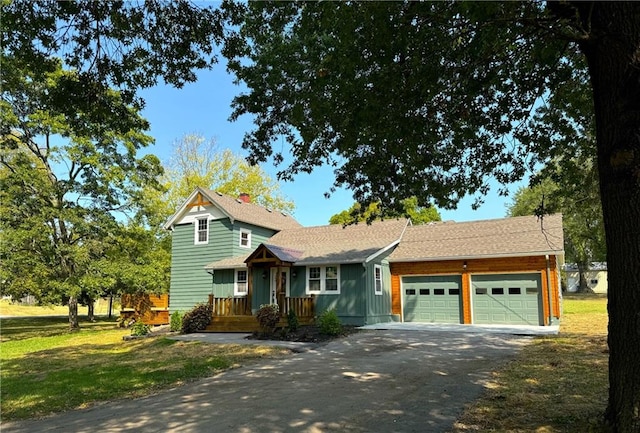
139	329
330	323
176	321
268	317
292	321
197	319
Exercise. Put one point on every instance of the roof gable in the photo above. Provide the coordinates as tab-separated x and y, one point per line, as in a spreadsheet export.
234	209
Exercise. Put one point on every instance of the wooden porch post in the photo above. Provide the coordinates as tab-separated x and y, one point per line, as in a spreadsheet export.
249	288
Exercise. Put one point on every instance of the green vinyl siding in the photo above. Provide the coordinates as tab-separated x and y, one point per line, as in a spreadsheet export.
378	306
350	304
190	283
223	283
259	235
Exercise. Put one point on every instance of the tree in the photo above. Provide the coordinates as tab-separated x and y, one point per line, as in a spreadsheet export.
197	162
582	219
417	215
103	45
434	99
68	186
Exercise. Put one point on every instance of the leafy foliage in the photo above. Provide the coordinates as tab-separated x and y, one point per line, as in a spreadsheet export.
197	319
292	321
417	214
403	98
175	323
330	323
70	189
139	329
268	316
196	162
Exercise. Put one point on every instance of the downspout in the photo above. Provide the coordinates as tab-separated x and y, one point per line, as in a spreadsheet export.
549	289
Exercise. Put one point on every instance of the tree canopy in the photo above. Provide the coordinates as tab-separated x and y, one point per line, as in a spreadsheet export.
195	161
70	187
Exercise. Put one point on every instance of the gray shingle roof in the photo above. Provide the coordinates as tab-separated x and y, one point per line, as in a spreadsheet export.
337	244
251	213
516	236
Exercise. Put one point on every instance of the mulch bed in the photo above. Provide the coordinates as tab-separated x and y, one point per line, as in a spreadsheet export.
304	334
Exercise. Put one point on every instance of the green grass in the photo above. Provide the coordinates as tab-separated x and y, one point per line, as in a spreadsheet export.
45	368
556	384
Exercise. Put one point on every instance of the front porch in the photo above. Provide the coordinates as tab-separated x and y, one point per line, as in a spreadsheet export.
234	314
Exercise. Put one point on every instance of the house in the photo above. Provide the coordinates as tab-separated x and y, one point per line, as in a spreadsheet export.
596	277
237	255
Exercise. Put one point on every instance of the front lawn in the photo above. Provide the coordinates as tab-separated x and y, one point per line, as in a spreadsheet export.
46	369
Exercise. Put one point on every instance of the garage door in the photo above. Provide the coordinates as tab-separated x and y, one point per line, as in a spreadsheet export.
434	299
507	299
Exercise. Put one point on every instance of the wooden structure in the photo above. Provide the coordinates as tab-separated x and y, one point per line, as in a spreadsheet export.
151	309
235	315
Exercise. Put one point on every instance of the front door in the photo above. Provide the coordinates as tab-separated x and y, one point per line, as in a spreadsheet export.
276	296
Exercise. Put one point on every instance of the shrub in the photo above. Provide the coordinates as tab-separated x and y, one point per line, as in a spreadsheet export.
268	317
330	323
292	321
197	319
176	321
139	329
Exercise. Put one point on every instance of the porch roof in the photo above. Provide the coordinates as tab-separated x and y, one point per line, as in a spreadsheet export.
229	263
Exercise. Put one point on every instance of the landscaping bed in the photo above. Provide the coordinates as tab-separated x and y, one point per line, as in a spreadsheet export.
304	334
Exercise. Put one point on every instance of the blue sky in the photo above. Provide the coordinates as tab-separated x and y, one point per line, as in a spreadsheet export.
204	107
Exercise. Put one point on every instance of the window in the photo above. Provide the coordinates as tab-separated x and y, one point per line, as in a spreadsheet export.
377	277
438	292
202	231
497	291
323	279
240	287
410	291
245	238
424	291
514	290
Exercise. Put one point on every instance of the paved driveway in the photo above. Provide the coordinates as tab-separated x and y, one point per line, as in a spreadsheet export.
372	381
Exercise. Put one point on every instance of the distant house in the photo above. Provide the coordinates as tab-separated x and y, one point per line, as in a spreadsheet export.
237	256
596	277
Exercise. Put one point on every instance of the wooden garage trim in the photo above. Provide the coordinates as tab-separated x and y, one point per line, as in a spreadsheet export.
503	265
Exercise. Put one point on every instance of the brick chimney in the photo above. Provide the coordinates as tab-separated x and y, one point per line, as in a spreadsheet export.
246	198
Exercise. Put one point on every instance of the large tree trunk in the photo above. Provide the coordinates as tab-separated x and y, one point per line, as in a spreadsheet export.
612	50
73	314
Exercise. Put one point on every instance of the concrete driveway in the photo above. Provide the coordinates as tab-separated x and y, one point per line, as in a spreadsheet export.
372	381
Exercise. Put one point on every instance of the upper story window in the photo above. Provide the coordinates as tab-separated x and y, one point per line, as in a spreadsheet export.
202	231
245	238
240	286
377	279
323	279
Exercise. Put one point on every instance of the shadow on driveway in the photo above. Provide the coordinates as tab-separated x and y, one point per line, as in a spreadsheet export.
372	381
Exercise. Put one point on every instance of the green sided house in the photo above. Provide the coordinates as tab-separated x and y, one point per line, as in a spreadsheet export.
237	255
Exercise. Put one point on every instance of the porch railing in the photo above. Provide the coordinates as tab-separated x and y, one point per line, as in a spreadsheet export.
229	306
304	307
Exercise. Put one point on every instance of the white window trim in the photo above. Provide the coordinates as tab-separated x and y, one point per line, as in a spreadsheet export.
323	280
196	238
375	280
248	232
236	292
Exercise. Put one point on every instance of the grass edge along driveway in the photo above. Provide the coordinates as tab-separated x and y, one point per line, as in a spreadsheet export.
556	384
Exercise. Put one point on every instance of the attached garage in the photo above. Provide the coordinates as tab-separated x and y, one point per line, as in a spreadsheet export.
432	299
507	299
